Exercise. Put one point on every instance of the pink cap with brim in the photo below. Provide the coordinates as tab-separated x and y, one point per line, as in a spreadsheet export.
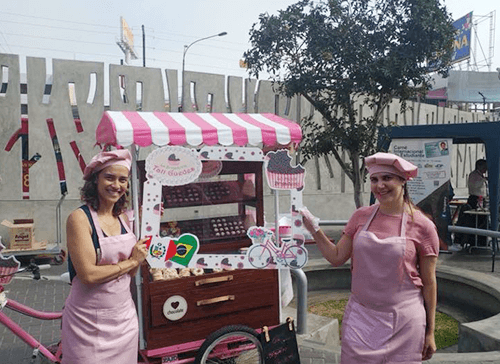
103	160
390	163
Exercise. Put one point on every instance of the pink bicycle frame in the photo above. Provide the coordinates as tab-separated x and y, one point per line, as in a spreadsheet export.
23	335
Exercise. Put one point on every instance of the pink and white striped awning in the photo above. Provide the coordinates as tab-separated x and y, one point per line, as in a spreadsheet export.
164	128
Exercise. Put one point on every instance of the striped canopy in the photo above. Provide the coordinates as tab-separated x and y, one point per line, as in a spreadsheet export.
166	128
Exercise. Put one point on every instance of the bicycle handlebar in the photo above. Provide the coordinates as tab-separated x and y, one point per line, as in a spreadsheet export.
33	268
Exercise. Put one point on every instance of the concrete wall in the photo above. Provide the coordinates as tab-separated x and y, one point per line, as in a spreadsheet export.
328	192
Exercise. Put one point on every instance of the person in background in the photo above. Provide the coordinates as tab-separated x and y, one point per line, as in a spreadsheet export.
393	247
477	183
99	323
478	191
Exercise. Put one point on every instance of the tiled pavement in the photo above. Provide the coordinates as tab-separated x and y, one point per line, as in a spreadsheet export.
50	294
45	294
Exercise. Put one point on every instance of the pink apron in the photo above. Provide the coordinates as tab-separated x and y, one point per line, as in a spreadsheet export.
385	319
99	322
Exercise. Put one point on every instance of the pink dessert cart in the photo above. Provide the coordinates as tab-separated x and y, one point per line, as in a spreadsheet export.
214	315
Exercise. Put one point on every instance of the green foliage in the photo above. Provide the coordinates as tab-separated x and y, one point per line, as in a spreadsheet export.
336	53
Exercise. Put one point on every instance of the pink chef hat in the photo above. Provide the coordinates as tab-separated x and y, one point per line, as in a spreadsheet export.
391	163
102	160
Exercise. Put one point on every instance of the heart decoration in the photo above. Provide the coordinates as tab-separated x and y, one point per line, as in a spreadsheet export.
175	304
186	246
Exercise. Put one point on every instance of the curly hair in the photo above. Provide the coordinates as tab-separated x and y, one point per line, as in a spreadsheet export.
90	196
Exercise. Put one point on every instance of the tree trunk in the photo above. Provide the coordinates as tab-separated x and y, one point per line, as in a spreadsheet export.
358	197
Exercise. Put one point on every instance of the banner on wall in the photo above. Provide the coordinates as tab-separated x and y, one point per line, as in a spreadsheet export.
431	189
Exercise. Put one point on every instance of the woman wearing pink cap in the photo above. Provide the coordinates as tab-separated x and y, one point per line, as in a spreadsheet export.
99	322
393	249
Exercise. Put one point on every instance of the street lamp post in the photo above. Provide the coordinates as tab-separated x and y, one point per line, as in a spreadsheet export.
484	102
186	47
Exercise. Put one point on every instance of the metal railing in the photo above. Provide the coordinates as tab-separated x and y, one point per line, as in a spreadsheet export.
482	232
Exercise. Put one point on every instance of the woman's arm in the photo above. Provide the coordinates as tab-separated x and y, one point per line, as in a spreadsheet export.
429	290
125	218
83	256
335	254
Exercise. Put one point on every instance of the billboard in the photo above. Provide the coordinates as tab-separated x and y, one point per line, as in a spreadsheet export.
461	43
126	33
126	41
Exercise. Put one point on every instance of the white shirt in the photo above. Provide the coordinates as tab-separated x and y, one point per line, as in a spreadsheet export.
477	183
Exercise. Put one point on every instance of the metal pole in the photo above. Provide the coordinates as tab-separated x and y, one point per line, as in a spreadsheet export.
135	206
301	283
276	217
182	78
186	47
143	47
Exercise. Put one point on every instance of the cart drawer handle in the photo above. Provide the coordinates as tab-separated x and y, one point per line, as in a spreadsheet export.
215	300
213	280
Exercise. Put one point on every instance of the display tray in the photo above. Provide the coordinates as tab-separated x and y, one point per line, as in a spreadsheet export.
207	230
204	193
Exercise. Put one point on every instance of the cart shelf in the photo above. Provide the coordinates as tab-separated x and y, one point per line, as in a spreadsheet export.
205	193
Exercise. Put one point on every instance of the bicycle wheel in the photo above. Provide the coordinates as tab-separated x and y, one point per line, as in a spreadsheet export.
259	256
295	256
233	344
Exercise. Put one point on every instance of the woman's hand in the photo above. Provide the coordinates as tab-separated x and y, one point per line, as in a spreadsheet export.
429	346
140	251
311	223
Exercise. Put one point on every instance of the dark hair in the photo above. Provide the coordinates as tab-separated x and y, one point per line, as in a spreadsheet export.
407	199
90	196
480	163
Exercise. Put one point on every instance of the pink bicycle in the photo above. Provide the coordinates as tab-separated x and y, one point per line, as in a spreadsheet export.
41	353
293	255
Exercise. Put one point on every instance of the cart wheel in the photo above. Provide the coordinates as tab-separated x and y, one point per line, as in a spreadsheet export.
233	344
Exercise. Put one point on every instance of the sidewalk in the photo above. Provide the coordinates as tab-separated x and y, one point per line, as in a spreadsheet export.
45	294
50	294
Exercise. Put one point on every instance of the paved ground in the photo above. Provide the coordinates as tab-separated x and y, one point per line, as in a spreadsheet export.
49	294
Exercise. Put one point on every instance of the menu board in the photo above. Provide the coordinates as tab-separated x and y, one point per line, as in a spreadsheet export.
280	344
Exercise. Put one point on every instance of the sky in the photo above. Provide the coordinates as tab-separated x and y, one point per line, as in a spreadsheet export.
88	30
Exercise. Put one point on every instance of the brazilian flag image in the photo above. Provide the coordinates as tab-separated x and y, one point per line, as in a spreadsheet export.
185	247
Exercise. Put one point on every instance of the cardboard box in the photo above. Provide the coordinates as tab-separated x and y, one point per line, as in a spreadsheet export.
22	233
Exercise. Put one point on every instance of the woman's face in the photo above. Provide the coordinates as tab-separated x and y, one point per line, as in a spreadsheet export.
387	188
112	183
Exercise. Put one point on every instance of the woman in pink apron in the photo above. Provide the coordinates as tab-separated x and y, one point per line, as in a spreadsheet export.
393	248
99	322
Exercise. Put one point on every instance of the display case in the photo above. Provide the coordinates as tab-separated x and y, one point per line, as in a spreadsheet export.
218	210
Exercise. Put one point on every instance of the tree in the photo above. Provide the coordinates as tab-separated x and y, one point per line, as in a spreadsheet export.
339	53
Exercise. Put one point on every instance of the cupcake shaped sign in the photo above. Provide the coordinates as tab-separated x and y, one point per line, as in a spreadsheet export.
173	166
280	173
